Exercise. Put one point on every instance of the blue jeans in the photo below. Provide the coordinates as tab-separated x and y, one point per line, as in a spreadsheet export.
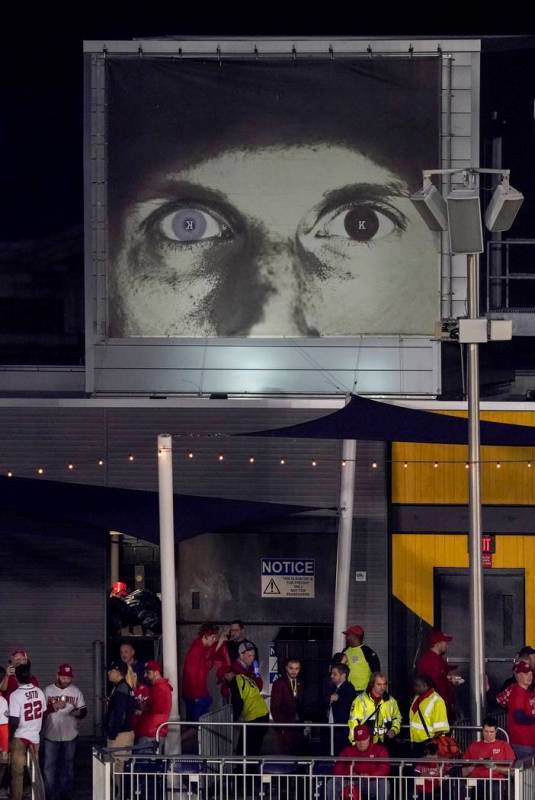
59	769
196	708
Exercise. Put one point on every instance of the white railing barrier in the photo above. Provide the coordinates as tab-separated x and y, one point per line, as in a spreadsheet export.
214	741
286	778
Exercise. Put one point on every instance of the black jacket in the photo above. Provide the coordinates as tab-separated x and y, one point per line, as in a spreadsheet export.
120	710
341	709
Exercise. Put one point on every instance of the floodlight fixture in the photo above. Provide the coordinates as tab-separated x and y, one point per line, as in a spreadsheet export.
464	221
503	207
431	206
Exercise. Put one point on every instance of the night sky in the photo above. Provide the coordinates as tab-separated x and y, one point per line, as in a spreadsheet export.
41	86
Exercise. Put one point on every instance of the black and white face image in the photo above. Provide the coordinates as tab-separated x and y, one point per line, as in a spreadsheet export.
245	206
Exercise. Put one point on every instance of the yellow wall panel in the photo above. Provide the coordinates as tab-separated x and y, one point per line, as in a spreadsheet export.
421	482
415	555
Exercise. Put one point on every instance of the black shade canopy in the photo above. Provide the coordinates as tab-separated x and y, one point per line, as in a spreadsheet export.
371	420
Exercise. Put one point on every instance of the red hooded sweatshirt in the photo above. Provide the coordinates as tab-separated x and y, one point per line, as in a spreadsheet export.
157	709
197	664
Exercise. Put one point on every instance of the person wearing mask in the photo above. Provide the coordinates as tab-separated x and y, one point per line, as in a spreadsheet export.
367	776
521	714
157	707
65	707
204	652
434	664
240	666
428	716
489	749
236	635
9	681
119	713
249	706
287	696
361	659
340	701
377	709
136	669
27	706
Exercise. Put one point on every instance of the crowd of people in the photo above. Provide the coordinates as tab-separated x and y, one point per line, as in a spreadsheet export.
367	721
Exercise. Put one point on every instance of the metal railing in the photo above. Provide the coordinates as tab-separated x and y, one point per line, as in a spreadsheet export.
183	778
216	735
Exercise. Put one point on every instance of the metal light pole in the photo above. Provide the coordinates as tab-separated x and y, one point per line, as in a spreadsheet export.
345	533
466	237
168	585
477	610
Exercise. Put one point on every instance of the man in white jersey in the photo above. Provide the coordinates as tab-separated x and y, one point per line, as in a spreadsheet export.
4	732
65	706
27	705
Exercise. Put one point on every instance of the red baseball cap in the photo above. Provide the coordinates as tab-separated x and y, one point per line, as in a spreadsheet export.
20	651
119	588
153	665
438	636
356	630
65	670
522	666
361	733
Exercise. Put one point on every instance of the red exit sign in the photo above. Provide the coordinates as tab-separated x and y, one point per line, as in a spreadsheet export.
488	544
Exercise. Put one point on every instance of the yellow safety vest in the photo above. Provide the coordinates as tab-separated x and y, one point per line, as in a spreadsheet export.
359	669
433	710
384	716
254	705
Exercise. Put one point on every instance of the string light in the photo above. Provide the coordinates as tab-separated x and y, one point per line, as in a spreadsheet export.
40	471
130	457
467	465
314	463
529	464
344	463
435	465
498	465
251	460
283	461
10	474
100	462
190	454
70	466
405	465
221	457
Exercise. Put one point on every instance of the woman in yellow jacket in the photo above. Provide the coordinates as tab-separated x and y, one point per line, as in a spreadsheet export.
377	709
427	715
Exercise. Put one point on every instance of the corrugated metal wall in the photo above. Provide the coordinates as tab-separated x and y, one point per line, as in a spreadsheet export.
53	596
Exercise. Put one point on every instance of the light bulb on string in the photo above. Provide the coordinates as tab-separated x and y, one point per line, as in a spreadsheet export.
467	465
435	465
374	465
70	466
40	471
190	454
344	463
405	465
100	462
130	457
221	457
314	463
9	474
498	465
251	460
283	461
529	464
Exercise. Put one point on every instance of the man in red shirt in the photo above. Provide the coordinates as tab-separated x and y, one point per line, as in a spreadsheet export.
490	749
433	663
156	708
370	771
204	652
9	683
521	713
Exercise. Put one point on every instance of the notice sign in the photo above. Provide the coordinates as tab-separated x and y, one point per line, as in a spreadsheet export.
288	577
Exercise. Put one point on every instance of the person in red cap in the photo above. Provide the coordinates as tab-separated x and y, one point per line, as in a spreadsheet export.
157	707
370	774
65	707
521	713
9	682
361	659
433	663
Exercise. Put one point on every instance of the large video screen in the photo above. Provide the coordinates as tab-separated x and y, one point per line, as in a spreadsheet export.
269	198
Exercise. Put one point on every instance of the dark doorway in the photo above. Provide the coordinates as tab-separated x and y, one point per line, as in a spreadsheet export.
504	621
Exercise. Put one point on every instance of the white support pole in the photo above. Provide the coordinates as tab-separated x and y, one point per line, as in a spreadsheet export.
345	532
168	585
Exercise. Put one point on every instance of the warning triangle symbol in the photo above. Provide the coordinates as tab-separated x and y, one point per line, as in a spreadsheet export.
272	588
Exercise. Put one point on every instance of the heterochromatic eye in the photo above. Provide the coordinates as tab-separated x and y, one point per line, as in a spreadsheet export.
193	225
361	223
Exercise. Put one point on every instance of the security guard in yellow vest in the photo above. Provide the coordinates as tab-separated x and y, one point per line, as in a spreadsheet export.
248	705
361	659
427	715
377	709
